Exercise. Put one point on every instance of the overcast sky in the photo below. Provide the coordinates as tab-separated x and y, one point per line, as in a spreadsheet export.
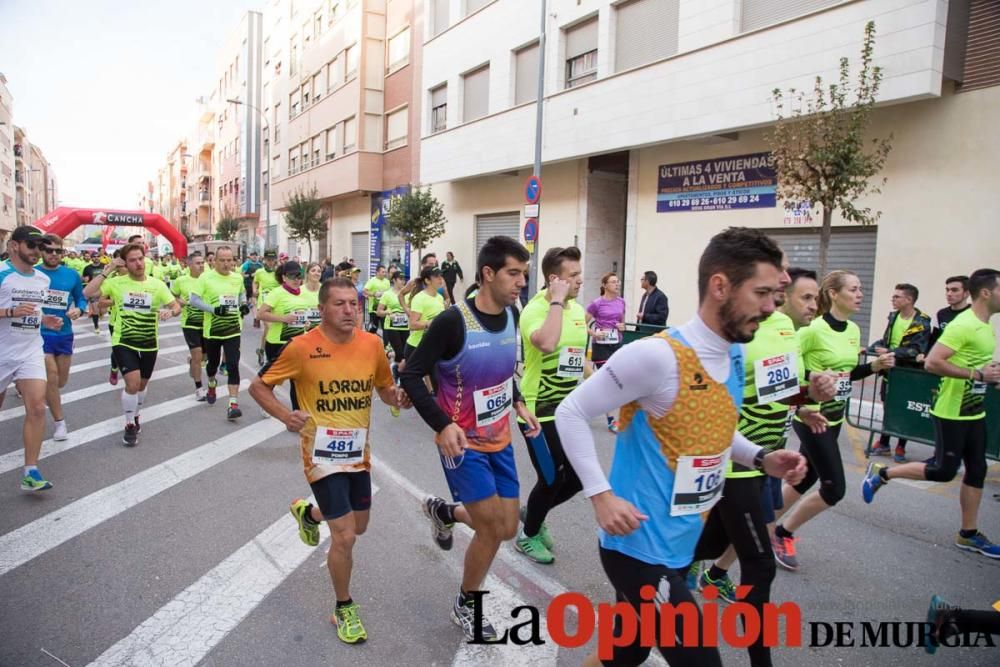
106	87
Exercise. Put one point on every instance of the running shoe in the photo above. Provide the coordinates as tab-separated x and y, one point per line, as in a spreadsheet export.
880	450
97	330
935	619
464	616
34	481
393	410
113	377
872	481
348	622
233	412
543	531
979	543
131	435
59	432
533	548
223	369
261	357
784	552
899	456
725	586
199	394
440	531
308	531
694	573
210	394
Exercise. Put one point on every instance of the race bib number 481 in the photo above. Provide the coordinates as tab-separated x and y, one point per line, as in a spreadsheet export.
339	446
698	482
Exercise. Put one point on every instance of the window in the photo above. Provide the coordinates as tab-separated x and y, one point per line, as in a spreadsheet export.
350	134
645	31
336	74
331	143
399	50
756	14
334	12
526	74
265	183
317	149
581	53
318	24
293	161
305	95
293	103
277	126
439	108
351	57
439	20
476	95
304	154
293	57
317	87
475	5
396	127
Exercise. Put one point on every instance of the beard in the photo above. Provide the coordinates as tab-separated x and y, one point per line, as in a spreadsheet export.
733	326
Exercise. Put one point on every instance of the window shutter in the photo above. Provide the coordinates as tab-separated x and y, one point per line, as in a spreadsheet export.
477	94
526	74
581	39
646	31
760	13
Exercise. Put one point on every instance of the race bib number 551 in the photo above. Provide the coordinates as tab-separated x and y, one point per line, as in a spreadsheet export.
698	482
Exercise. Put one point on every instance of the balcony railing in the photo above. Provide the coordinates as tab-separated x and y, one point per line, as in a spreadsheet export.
204	196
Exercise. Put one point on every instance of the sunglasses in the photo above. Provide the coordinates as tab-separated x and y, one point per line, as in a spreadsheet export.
54	251
33	245
294	276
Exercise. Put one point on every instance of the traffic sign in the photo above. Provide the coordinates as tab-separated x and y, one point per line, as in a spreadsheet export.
533	189
531	229
531	210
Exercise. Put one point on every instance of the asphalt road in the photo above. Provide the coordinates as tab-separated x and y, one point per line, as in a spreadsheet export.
181	550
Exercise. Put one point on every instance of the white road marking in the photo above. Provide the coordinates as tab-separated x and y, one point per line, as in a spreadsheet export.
15	459
48	532
105	362
107	344
93	390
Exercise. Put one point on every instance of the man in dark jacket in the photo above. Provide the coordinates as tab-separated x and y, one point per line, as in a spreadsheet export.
451	272
653	307
907	335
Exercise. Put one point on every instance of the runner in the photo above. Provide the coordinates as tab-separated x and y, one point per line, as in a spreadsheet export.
148	262
963	357
22	293
395	322
830	343
192	320
219	294
667	469
139	301
376	286
947	620
290	308
334	432
65	300
107	304
89	273
263	282
423	304
472	348
606	323
554	336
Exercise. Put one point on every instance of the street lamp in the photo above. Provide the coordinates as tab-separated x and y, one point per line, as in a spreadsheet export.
267	160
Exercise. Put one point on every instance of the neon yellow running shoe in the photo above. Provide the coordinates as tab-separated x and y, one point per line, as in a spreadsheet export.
348	622
308	532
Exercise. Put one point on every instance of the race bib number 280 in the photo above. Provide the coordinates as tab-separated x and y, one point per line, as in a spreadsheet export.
698	482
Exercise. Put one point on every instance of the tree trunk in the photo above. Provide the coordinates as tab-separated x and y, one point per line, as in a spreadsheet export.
310	242
824	240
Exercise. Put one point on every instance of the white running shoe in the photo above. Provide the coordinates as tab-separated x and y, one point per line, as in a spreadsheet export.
200	393
60	432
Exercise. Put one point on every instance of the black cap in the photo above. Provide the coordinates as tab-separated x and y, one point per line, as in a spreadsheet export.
291	267
27	233
270	254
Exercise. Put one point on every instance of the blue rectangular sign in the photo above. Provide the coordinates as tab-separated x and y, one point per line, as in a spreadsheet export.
720	184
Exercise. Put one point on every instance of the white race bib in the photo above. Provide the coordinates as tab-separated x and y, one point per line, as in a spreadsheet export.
229	300
339	446
300	319
698	482
57	299
570	362
843	387
776	377
138	301
494	403
978	388
313	316
398	320
611	337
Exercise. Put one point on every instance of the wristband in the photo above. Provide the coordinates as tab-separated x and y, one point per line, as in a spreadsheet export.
557	303
758	459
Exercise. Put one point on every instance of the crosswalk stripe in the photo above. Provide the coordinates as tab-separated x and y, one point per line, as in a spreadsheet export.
93	390
88	331
15	459
107	343
107	363
48	532
186	629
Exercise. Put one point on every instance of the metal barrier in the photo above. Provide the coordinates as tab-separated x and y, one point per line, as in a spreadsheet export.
899	405
634	331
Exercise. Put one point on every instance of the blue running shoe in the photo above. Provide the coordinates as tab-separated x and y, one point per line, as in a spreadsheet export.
979	543
935	618
34	481
872	481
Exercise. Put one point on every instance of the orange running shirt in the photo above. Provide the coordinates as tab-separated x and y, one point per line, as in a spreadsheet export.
333	383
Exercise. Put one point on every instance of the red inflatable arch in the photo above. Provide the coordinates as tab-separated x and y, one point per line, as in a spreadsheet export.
63	220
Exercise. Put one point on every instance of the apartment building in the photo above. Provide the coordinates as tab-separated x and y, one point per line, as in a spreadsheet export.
339	94
8	211
639	91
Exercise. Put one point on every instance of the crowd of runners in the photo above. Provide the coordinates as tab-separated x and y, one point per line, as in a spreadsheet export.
702	412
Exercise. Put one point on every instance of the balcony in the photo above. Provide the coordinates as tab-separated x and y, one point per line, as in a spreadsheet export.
204	197
18	150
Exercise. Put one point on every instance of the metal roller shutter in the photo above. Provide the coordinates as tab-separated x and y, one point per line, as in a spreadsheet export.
851	248
760	13
646	30
360	248
496	224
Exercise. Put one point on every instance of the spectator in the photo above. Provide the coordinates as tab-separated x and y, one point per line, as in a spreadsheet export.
344	265
329	270
451	270
605	324
956	293
430	259
653	307
907	335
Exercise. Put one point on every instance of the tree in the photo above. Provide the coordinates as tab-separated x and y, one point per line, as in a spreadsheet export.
226	228
819	147
305	217
418	217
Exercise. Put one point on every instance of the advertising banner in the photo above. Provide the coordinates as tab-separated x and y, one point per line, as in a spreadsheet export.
720	184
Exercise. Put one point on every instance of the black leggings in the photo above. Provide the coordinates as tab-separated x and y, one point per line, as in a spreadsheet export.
738	519
396	338
825	464
959	441
374	322
557	481
114	359
958	621
628	575
231	347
